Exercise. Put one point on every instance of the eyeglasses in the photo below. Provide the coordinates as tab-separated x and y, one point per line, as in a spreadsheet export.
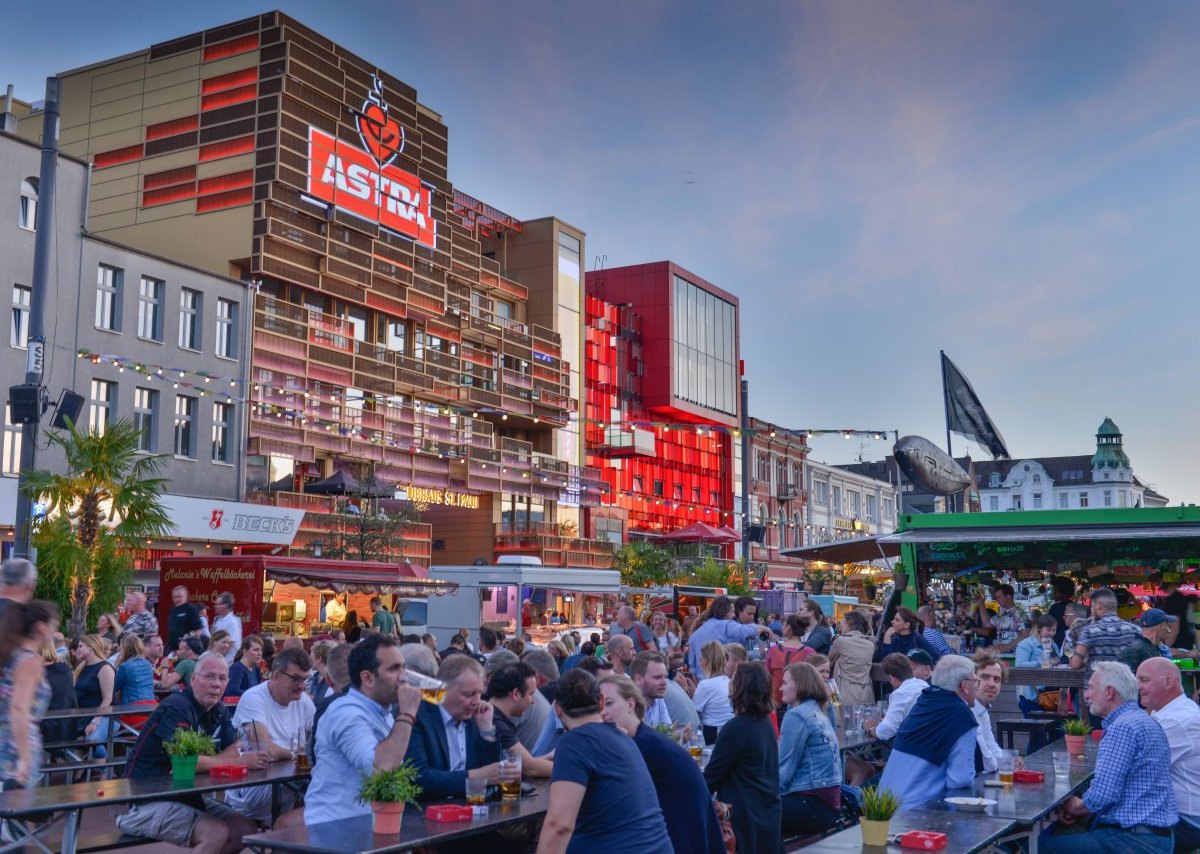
296	678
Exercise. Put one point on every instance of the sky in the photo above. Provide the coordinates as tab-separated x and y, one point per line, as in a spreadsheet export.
1014	183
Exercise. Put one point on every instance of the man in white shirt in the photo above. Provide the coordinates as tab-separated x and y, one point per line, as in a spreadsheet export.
990	674
905	690
227	621
279	710
1160	689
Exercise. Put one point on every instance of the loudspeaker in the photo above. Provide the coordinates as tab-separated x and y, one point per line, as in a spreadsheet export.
758	533
25	404
69	405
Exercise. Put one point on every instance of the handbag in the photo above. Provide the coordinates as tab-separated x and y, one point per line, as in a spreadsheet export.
725	820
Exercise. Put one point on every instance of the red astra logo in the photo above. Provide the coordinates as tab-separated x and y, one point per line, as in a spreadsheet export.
215	521
381	136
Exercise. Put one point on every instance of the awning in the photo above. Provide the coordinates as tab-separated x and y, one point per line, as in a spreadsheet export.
343	581
858	550
1029	533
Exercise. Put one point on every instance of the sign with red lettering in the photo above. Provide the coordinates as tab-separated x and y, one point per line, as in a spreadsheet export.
241	576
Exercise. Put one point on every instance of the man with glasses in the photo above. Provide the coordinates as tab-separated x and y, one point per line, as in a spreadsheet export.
277	710
935	745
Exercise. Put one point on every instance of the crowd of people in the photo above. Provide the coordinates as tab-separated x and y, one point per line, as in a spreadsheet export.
613	721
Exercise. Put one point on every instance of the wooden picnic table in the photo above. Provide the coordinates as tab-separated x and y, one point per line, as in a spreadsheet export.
72	799
357	836
965	832
118	711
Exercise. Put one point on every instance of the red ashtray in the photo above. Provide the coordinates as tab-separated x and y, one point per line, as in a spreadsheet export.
1029	776
233	772
1097	734
447	812
926	840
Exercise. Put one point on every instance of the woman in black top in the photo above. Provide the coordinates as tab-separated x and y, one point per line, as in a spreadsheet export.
744	769
61	680
94	681
352	627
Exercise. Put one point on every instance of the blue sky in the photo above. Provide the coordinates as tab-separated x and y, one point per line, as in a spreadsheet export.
1016	183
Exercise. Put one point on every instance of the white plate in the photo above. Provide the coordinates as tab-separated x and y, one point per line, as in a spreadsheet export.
971	804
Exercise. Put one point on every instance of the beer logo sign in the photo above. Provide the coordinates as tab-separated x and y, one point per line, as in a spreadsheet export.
381	136
365	181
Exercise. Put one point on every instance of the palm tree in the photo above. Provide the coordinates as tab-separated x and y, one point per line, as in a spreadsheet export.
643	564
97	513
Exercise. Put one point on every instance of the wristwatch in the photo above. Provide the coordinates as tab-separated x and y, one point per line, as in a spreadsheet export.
488	734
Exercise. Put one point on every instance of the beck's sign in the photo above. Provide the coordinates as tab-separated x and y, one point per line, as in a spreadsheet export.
352	179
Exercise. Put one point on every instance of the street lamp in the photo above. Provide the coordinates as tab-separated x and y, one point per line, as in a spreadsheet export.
317	547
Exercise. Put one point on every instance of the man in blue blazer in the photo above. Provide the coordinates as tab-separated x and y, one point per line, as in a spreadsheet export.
456	739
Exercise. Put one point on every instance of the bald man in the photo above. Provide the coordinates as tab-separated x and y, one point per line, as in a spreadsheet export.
1161	692
620	653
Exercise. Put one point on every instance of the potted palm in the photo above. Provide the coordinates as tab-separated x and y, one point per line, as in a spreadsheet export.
185	748
1074	733
387	792
900	575
878	807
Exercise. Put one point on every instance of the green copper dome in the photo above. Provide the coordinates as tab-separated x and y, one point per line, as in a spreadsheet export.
1109	453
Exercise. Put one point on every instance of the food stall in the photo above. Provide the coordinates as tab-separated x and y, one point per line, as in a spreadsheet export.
287	595
497	596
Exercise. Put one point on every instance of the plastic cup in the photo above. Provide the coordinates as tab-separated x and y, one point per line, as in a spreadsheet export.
1062	765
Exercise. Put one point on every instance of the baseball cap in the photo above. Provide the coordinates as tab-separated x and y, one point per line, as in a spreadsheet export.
1156	617
920	656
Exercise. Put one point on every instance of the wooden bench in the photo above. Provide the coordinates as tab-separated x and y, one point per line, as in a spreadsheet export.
1006	730
87	766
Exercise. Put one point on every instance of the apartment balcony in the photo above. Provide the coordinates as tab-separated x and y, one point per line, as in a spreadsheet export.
554	546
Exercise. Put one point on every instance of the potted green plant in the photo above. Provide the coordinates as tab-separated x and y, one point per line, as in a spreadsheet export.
1074	733
387	792
185	747
815	580
869	590
878	807
900	575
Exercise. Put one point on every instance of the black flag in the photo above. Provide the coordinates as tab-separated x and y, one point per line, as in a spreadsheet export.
966	415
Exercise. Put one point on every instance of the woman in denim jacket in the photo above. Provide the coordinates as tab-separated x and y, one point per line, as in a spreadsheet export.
810	767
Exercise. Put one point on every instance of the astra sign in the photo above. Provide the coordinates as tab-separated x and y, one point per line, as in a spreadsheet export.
351	179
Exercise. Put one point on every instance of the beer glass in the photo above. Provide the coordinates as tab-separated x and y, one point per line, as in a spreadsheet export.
510	775
1006	766
300	750
432	690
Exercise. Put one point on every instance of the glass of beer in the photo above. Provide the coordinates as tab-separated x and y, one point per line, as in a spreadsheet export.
1006	766
300	751
695	746
432	690
476	791
510	775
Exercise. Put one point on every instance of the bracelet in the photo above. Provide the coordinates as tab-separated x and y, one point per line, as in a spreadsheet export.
406	718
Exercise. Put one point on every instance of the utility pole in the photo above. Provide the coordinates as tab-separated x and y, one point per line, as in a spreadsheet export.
43	261
746	474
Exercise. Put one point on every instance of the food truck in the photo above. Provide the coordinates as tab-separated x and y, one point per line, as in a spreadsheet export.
287	595
508	596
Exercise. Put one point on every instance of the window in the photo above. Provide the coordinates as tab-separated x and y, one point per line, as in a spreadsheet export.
1108	498
1063	500
695	495
1107	475
837	499
11	463
222	418
639	485
994	480
189	319
145	418
797	531
993	503
762	468
658	487
29	201
227	316
821	488
872	515
1037	500
19	335
104	400
1122	498
855	503
1037	478
150	309
108	297
185	427
1016	502
887	509
677	491
1083	499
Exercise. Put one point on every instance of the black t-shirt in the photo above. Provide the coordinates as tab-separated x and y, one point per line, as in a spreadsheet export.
181	620
150	760
1059	612
506	730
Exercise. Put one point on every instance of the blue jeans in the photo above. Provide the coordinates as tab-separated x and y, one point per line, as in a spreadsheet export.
1108	840
100	738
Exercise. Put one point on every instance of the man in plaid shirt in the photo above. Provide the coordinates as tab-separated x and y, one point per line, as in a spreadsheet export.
1130	806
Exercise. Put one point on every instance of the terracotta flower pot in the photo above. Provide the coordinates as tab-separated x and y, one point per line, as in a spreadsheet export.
183	769
875	833
387	817
1074	744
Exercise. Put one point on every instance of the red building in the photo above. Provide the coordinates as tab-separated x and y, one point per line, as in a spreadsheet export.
778	499
661	366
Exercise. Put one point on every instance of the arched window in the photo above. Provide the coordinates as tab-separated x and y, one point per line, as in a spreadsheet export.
797	531
29	200
782	522
762	514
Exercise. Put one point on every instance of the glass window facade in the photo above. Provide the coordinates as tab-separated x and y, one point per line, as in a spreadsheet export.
705	348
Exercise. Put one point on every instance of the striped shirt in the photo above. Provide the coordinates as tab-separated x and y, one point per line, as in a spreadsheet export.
1106	638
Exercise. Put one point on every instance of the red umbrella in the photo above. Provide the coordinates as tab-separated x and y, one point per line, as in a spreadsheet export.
699	532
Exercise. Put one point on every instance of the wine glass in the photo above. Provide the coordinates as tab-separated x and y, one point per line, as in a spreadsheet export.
247	739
